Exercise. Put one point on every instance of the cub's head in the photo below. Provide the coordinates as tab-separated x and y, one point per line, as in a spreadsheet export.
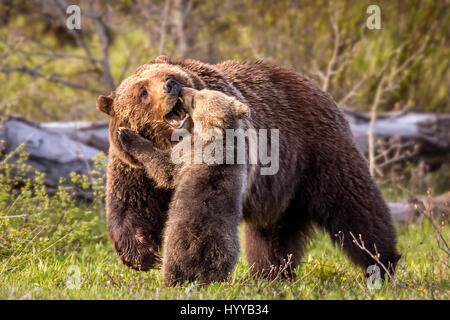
213	110
148	102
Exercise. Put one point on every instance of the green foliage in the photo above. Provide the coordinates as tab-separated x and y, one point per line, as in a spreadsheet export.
43	236
324	274
33	222
291	33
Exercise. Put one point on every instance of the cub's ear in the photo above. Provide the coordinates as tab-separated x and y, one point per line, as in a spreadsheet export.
240	110
162	59
104	104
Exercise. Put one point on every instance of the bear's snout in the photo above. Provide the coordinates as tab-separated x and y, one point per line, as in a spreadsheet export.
172	87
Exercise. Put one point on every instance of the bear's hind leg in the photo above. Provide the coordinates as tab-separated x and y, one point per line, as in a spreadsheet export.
367	217
275	252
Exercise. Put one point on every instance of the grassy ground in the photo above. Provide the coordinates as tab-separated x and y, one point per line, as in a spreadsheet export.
47	242
423	273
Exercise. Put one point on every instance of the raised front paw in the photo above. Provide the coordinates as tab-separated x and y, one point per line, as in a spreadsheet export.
133	142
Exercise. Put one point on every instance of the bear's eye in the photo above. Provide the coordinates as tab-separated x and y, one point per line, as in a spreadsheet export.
144	93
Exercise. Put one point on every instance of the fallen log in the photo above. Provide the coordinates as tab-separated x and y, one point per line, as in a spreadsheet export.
404	135
93	134
54	150
419	207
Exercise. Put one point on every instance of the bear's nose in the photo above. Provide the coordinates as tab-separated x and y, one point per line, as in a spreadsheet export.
172	87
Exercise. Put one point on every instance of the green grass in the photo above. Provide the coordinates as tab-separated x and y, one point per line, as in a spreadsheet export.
325	273
43	237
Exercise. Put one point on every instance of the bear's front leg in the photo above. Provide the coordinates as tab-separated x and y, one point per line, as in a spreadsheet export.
157	163
136	214
136	209
201	236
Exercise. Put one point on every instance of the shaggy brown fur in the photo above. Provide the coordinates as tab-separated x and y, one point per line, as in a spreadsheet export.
323	179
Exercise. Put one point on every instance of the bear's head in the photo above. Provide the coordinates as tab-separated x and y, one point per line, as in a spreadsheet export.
213	110
148	103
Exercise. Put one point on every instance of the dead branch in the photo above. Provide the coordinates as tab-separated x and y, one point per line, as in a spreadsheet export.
178	22
387	83
99	65
375	257
166	12
50	77
427	213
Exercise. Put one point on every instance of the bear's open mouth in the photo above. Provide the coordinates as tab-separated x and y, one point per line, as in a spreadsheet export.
178	115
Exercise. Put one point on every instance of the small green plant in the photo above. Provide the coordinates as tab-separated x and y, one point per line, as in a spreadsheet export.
43	236
32	221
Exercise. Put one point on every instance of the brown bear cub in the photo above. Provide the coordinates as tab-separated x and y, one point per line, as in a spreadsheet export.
186	256
322	178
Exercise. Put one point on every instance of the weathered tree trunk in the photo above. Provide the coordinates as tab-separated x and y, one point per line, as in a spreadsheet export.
420	207
404	135
55	148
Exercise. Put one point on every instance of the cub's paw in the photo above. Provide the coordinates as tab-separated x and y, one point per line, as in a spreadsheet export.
133	142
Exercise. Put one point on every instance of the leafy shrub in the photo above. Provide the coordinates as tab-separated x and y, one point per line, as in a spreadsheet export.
33	221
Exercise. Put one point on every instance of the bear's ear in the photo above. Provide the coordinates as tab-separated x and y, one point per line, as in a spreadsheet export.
240	110
104	104
162	59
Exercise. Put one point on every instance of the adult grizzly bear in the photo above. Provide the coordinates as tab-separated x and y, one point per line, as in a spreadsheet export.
322	177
